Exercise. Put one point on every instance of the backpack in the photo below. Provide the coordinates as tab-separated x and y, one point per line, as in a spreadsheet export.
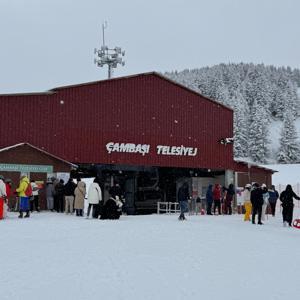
28	191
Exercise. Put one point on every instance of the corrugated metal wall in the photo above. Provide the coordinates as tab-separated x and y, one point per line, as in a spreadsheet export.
75	123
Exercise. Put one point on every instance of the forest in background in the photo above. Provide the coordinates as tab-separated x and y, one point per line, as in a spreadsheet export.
259	95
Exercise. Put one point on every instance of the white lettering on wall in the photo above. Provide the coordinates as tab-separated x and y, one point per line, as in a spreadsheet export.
175	150
145	149
127	147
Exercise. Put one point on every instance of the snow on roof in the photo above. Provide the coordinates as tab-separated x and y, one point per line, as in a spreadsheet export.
39	149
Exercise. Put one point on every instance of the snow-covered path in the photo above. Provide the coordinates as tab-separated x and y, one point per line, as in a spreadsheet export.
54	256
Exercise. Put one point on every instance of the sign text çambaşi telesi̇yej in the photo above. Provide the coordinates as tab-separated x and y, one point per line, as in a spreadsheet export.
145	149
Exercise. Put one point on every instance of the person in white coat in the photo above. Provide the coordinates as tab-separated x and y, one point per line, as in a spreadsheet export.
266	201
94	196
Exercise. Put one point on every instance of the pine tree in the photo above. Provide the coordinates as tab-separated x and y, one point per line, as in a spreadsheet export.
240	125
258	134
289	144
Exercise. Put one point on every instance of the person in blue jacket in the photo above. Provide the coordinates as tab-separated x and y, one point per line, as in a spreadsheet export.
209	199
183	196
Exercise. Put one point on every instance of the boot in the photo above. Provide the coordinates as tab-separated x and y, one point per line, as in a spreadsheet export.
27	214
21	215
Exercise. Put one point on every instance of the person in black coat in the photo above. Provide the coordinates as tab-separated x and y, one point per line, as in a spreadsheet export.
183	196
59	192
209	199
70	187
286	197
257	201
112	208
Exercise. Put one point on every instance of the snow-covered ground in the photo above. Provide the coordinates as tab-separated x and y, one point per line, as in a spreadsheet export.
54	256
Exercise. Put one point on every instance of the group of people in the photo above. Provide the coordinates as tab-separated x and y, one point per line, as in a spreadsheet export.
255	198
27	195
258	198
71	196
62	197
218	197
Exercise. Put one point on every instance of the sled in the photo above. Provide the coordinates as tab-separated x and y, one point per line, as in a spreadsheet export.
296	223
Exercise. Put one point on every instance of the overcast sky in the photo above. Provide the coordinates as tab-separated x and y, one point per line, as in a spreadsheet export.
50	43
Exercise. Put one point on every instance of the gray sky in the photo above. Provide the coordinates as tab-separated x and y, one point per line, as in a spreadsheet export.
50	43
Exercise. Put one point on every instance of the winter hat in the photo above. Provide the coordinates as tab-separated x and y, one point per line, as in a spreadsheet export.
263	185
248	185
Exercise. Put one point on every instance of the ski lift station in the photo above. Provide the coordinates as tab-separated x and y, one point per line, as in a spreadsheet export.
144	131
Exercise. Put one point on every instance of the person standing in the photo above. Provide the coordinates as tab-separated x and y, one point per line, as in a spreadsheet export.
228	199
69	196
8	184
286	197
183	196
266	201
217	195
256	198
35	196
55	198
50	195
2	196
273	197
247	202
94	197
209	199
79	197
60	192
24	199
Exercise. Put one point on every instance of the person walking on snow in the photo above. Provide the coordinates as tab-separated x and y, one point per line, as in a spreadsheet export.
257	201
247	202
183	196
24	199
273	196
266	201
286	197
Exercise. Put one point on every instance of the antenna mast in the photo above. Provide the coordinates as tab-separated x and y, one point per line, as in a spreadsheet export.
107	56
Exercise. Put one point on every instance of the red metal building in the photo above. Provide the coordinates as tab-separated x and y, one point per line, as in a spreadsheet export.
144	120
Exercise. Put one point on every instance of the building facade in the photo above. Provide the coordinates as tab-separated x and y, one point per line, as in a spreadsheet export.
145	131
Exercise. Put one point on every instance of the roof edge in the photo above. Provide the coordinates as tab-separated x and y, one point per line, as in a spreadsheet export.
39	149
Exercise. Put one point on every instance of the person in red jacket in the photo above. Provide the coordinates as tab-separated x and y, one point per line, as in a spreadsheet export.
2	196
217	195
8	194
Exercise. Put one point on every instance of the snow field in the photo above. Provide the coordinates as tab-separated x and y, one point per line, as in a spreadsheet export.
54	256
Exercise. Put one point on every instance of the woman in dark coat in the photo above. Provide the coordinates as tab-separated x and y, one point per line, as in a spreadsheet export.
228	199
286	197
209	199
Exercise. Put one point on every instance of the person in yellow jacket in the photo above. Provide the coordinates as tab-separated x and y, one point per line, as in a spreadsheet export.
24	200
247	202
